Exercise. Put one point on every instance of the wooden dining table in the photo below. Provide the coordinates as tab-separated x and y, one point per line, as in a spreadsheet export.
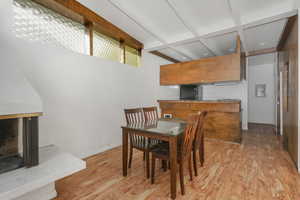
165	130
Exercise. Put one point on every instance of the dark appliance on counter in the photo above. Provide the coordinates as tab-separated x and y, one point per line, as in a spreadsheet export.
188	92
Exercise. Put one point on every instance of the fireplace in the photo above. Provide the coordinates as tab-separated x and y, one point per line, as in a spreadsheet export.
18	143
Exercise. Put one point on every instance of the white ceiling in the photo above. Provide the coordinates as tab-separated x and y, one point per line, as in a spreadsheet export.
193	29
264	36
195	49
173	54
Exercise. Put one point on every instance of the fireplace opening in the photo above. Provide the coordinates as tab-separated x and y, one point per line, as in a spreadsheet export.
18	143
10	145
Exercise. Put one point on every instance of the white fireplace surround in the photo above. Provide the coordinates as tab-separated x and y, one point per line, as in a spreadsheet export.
37	183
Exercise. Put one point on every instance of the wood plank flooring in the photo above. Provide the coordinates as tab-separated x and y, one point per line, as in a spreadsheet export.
257	169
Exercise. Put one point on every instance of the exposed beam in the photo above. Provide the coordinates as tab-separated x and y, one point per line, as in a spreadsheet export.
148	30
268	20
262	51
228	30
78	12
287	29
176	10
157	53
237	20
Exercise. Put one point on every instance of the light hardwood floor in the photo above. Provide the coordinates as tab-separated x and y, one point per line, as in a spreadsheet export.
257	169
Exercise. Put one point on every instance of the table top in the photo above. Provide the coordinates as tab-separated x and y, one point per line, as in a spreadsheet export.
161	127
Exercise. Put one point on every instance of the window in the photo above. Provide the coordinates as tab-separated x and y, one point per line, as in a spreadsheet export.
132	56
106	47
37	23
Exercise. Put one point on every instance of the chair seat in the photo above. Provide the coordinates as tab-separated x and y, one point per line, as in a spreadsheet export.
146	145
162	150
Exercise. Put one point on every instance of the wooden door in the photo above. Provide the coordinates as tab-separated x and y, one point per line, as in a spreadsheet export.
289	61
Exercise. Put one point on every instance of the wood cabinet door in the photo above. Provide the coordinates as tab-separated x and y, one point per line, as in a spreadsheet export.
207	70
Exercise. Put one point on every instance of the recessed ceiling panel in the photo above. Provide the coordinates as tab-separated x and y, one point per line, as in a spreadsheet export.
264	36
252	10
113	15
195	50
205	16
156	16
173	54
224	44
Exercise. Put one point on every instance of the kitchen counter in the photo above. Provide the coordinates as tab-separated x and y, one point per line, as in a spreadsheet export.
203	101
222	122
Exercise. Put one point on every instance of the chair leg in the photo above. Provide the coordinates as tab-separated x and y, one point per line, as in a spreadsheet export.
130	157
144	156
181	178
201	151
195	162
190	167
165	165
152	169
147	164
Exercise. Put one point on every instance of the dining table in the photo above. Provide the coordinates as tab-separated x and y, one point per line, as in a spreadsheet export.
165	130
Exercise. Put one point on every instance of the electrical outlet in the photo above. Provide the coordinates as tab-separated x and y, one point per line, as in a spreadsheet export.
168	116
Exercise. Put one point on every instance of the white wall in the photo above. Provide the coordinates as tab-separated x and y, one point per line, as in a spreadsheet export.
17	95
83	97
262	71
235	90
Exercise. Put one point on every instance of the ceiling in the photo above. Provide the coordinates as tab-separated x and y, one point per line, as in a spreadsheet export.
193	29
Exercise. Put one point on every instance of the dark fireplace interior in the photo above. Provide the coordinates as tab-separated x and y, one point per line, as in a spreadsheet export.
18	148
10	157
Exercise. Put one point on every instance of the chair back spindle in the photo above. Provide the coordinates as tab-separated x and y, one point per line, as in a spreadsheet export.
189	136
134	115
150	113
200	129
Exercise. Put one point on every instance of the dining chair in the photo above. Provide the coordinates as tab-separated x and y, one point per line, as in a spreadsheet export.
184	152
198	144
150	113
138	142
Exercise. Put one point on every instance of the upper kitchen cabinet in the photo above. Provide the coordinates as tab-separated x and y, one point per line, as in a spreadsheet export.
206	70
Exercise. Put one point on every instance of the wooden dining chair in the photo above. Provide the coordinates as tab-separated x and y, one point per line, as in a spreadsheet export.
138	142
150	113
198	144
184	153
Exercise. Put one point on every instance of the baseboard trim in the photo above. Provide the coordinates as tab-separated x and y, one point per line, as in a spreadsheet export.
261	124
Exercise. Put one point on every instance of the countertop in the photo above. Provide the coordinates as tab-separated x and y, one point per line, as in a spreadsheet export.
203	101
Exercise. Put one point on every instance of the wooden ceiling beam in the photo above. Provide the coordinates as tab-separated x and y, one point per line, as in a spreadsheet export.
157	53
73	9
287	29
262	51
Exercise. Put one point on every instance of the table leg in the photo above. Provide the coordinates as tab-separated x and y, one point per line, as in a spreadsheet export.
125	151
173	163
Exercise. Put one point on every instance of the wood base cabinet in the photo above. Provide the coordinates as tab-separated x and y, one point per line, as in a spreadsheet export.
222	122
